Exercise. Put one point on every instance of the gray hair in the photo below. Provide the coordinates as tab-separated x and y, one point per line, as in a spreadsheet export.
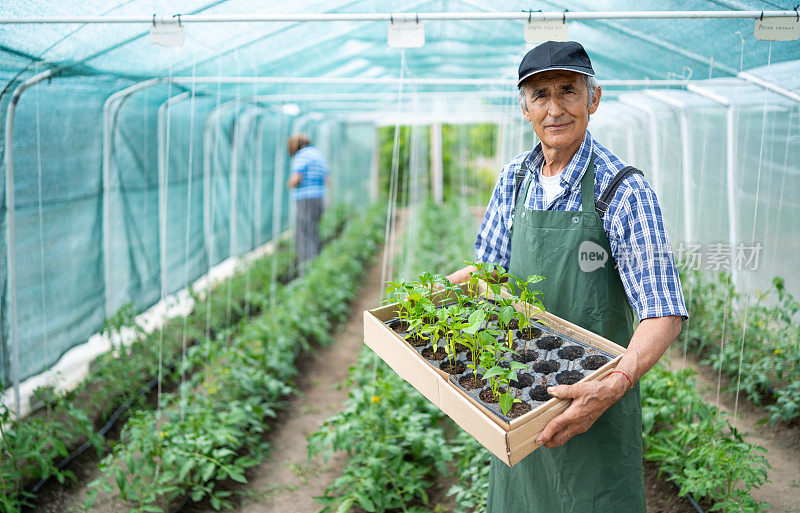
591	87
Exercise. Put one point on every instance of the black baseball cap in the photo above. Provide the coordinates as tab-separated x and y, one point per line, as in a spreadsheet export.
566	55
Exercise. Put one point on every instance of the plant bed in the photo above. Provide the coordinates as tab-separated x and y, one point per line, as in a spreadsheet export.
509	438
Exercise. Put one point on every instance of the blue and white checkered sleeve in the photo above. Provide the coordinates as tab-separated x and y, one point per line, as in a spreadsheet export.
641	248
493	243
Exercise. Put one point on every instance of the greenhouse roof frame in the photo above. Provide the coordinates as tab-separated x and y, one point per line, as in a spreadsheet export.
405	16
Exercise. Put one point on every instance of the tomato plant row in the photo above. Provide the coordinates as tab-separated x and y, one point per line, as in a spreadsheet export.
33	447
187	447
754	341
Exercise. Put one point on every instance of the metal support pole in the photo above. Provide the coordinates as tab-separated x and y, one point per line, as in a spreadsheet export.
110	109
374	177
775	88
11	232
242	126
210	136
686	160
655	146
437	166
730	165
163	124
259	170
402	16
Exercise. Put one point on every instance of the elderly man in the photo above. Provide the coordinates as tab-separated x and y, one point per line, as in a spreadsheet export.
569	210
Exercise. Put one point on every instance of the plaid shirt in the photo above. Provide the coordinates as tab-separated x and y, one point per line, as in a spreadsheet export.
633	223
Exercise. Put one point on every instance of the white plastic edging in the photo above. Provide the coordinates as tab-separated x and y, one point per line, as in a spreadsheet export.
73	366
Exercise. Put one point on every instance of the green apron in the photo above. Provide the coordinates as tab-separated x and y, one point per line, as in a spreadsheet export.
600	470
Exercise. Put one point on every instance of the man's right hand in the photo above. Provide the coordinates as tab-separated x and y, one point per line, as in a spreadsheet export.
462	275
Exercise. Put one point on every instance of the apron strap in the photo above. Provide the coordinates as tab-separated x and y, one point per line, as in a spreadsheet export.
604	201
587	187
519	177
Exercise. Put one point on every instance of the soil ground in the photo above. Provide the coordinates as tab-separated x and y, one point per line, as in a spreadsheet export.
781	441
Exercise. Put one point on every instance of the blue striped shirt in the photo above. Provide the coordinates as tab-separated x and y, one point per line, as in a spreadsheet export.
313	166
633	223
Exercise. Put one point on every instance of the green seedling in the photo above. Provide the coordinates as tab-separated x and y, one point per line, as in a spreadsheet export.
500	377
531	300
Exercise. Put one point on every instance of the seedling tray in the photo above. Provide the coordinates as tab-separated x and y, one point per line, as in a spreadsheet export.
510	439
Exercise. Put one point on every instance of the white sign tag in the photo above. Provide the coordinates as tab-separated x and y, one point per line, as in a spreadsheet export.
406	34
539	31
166	34
777	29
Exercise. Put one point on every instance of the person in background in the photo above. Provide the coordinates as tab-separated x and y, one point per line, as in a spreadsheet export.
309	179
572	211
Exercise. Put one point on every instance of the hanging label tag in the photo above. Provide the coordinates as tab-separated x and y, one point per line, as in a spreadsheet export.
167	34
406	34
539	31
777	29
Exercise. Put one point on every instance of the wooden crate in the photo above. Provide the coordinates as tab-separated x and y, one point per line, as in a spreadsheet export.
509	441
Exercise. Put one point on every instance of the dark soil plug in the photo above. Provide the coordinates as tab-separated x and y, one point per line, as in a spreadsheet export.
513	324
529	333
398	325
549	342
519	409
539	393
417	340
453	368
569	377
460	348
525	356
440	353
470	383
487	396
594	362
546	366
523	380
571	352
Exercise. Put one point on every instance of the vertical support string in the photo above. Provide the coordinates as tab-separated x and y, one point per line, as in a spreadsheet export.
214	164
190	178
752	241
162	216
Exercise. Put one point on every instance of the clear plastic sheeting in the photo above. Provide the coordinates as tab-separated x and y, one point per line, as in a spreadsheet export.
745	226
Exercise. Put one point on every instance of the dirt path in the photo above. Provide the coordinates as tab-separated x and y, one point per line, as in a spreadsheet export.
782	442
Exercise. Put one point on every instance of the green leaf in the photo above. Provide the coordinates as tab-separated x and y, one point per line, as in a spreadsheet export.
506	401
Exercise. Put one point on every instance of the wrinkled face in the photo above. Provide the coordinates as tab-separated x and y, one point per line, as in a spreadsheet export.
557	108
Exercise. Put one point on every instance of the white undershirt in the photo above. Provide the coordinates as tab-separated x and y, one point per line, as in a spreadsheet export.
552	188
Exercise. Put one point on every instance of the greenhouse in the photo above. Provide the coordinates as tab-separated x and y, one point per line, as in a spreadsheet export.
343	256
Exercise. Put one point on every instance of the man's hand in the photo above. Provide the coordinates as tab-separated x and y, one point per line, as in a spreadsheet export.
589	401
462	274
294	180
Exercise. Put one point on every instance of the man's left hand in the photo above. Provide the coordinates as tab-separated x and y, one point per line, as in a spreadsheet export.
589	401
